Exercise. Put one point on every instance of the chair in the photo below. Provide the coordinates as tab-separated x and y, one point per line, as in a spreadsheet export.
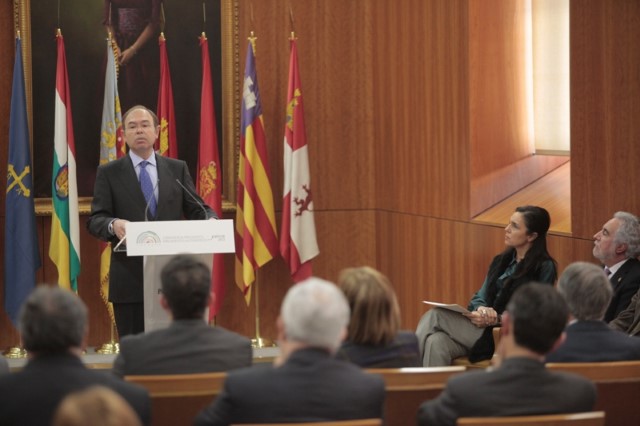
618	385
362	422
464	361
177	398
595	418
407	388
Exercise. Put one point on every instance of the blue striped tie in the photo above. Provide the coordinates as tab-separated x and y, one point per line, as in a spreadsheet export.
147	189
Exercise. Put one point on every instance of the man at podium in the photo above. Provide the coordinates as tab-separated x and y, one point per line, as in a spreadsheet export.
140	186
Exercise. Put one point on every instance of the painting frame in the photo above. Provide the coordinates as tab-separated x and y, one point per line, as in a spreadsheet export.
230	98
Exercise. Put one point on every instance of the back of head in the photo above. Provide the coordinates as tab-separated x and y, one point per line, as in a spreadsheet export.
538	316
186	284
628	233
586	289
375	315
95	406
315	312
52	320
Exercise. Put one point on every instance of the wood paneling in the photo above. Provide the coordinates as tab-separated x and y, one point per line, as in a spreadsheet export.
420	63
605	106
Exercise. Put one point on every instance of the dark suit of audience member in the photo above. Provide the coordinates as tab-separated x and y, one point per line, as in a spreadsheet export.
188	345
4	365
53	326
306	383
118	198
587	291
617	245
520	385
373	338
629	320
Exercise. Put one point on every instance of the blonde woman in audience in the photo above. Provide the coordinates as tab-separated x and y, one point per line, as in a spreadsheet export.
374	339
95	406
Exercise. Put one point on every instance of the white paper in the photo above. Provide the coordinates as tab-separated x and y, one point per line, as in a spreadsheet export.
451	306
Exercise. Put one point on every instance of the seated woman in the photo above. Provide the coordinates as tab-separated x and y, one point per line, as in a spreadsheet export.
444	335
373	339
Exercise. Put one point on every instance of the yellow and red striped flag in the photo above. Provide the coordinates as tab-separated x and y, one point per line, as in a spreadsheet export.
112	146
209	180
64	249
256	235
298	243
166	144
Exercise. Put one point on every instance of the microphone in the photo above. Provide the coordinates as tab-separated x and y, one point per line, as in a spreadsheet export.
146	207
194	198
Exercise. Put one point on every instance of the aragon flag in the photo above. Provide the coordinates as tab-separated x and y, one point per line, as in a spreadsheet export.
298	243
209	180
64	249
21	252
112	146
255	227
166	144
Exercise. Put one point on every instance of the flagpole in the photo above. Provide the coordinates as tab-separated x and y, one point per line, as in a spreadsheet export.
15	352
259	342
111	347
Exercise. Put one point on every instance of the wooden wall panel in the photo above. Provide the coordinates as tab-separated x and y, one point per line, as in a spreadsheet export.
497	96
420	64
605	106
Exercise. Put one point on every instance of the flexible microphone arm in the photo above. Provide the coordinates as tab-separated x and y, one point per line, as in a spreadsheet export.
194	198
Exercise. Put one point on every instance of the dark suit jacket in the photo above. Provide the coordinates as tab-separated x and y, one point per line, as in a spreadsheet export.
519	387
594	341
31	396
117	194
186	346
629	320
310	386
625	282
402	352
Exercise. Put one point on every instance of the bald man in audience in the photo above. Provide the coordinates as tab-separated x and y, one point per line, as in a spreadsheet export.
307	384
617	246
520	385
587	291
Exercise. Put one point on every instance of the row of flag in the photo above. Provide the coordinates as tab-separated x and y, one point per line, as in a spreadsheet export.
256	236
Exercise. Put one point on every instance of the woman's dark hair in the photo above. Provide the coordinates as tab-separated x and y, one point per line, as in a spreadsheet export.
536	219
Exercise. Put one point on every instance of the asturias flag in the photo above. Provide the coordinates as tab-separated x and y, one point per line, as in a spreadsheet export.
298	243
21	252
64	249
166	144
256	235
209	180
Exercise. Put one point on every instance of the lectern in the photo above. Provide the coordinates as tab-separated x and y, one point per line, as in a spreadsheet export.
159	241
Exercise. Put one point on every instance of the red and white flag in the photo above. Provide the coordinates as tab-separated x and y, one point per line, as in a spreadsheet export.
209	179
298	244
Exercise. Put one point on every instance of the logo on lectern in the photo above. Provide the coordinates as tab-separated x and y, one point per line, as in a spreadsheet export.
148	237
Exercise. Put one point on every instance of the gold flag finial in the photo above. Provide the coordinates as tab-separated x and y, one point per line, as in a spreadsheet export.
162	38
58	32
252	39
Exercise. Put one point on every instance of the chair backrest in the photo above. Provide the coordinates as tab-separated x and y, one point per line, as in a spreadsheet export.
361	422
177	398
595	418
618	385
407	388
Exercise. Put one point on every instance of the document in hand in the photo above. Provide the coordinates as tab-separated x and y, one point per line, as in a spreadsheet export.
451	306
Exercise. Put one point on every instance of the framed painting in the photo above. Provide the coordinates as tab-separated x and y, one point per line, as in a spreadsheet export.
82	23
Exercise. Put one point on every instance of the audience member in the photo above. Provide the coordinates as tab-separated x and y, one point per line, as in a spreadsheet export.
628	320
95	406
373	338
587	291
188	345
307	383
617	245
444	335
520	385
53	327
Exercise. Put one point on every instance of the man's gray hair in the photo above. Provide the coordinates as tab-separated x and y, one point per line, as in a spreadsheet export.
628	233
586	289
315	312
52	320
